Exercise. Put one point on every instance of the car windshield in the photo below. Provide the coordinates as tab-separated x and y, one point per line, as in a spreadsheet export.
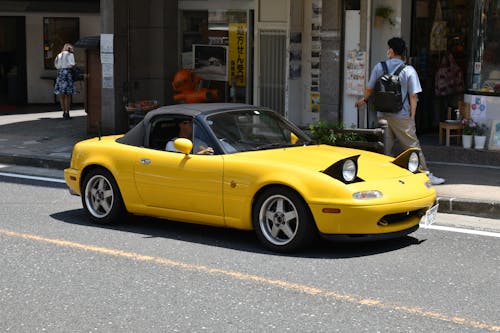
247	130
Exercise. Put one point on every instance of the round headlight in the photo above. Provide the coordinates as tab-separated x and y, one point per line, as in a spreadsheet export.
349	170
413	162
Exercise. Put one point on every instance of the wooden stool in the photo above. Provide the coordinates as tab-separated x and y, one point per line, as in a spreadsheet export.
448	127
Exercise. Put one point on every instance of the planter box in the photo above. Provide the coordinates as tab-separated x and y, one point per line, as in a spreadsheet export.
377	147
374	139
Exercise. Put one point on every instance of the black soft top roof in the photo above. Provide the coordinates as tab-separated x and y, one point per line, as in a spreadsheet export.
137	134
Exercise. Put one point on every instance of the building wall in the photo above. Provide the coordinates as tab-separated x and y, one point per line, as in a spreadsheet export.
41	90
381	34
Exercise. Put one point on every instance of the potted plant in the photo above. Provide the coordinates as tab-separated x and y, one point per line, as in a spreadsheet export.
480	136
467	132
384	13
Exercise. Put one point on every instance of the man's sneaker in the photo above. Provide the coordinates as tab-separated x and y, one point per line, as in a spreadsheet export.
435	180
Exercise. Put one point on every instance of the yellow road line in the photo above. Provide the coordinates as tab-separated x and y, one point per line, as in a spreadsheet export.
417	311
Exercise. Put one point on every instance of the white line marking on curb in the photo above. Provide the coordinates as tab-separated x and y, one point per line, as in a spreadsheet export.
44	179
464	231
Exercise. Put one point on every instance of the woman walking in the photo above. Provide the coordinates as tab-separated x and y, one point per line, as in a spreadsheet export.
64	86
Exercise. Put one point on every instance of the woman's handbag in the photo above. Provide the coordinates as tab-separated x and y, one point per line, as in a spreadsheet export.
77	73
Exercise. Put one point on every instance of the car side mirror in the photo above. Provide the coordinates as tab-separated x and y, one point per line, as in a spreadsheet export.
293	138
183	145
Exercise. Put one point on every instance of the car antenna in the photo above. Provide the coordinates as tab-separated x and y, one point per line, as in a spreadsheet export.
98	123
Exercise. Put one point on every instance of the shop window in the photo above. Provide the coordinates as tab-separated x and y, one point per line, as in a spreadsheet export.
485	65
56	32
440	50
217	32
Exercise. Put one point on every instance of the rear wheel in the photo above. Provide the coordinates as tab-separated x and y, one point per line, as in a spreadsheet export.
282	220
101	197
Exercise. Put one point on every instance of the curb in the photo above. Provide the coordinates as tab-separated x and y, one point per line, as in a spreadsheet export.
38	162
471	207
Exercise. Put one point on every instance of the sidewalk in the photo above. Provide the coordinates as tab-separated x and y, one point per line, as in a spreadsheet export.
46	140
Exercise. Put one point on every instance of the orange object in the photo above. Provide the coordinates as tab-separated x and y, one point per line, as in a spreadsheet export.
197	96
185	85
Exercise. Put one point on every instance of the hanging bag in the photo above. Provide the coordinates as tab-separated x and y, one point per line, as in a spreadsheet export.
439	32
77	73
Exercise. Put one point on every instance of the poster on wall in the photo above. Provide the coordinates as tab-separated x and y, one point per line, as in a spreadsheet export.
495	135
107	56
355	72
210	62
317	8
478	108
315	102
295	55
238	53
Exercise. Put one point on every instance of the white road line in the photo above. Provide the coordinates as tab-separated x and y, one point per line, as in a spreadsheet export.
43	179
463	231
434	227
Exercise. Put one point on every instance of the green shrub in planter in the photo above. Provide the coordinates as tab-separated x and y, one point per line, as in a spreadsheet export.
333	133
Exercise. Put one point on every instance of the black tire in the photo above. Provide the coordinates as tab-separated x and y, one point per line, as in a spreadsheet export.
282	220
101	197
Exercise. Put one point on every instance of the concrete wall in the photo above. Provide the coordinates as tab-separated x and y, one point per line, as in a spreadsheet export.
40	90
381	34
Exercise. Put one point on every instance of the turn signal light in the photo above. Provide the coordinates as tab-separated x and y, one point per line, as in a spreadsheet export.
367	195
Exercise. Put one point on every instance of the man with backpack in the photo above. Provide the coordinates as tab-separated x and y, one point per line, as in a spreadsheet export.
395	87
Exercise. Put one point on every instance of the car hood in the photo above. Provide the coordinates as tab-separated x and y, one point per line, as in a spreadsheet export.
319	157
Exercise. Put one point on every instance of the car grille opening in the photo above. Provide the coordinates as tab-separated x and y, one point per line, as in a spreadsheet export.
400	217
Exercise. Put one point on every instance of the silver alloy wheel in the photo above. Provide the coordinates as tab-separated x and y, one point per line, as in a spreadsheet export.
279	220
99	196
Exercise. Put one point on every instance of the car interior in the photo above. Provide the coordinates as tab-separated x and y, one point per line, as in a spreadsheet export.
162	131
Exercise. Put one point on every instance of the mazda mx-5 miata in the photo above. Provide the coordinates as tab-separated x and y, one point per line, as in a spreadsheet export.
261	173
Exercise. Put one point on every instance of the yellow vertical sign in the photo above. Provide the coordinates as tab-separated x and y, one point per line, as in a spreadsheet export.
237	53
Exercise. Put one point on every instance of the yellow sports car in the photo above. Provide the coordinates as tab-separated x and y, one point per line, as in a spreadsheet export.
247	167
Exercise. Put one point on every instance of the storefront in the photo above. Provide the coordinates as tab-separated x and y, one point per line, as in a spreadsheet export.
483	80
30	37
240	49
455	48
217	44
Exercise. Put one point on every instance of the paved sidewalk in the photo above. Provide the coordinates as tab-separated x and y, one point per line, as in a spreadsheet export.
46	140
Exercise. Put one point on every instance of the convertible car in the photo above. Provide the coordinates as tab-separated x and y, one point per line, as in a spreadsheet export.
261	173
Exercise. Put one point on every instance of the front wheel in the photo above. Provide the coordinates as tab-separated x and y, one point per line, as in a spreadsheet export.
101	197
282	220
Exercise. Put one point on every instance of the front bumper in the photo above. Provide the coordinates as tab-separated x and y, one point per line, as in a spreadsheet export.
369	237
371	219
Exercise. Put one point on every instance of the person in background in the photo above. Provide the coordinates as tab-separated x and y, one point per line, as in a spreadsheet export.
64	86
401	125
186	131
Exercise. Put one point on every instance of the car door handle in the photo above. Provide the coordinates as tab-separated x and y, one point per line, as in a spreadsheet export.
145	161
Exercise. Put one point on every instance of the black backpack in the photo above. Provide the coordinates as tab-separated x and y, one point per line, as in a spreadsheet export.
387	96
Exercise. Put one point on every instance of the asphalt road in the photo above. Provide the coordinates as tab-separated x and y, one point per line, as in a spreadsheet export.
59	273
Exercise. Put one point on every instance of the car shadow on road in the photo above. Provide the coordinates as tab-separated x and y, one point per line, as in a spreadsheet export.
233	239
